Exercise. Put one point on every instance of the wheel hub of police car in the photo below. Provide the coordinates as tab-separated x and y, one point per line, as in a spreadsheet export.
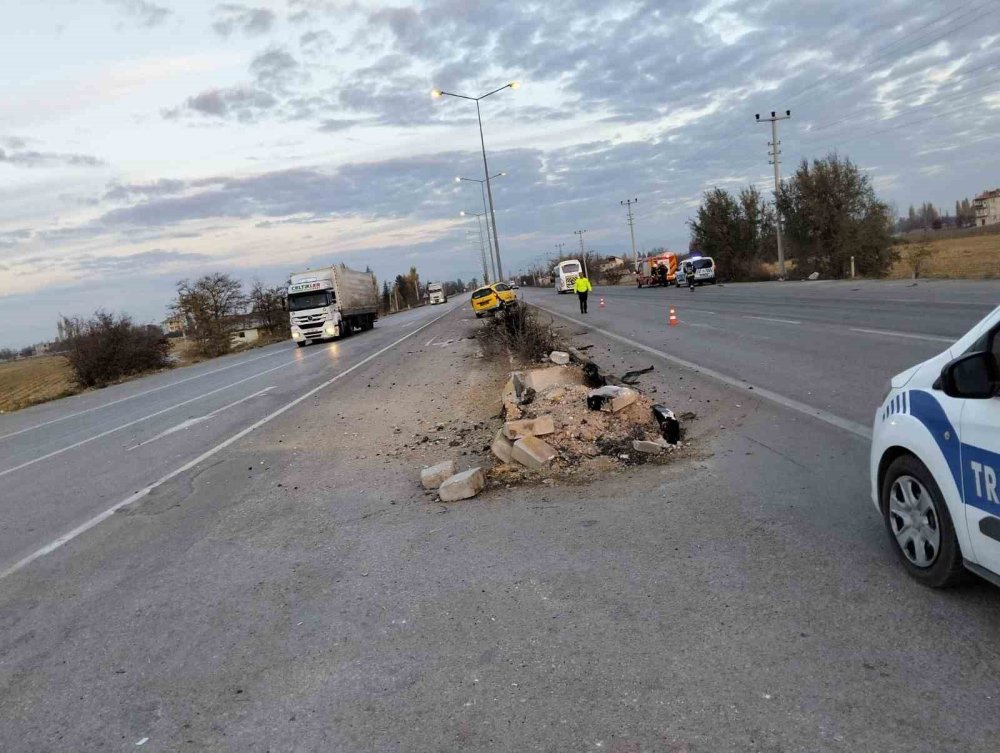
914	521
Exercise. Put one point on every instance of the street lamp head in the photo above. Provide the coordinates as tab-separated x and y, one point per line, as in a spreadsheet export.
514	84
757	116
462	213
435	92
498	175
457	179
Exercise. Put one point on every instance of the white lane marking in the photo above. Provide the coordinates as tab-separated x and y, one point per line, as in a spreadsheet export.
199	419
769	319
140	394
853	427
428	343
697	324
890	333
97	519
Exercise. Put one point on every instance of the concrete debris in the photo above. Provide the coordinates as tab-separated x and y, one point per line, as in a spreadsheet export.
502	446
670	427
814	276
632	377
553	376
433	477
511	411
463	485
529	427
651	446
533	453
592	376
514	387
559	357
611	398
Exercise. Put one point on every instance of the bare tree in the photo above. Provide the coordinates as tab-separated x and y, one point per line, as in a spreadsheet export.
209	306
270	307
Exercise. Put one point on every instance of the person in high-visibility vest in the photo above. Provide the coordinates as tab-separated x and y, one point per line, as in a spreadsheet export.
582	287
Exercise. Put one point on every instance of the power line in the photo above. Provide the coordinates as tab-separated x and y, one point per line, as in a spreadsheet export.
631	226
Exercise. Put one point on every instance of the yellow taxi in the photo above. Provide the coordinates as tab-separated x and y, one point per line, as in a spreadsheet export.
491	298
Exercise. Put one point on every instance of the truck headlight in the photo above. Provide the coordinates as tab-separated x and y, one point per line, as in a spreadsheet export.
296	335
330	329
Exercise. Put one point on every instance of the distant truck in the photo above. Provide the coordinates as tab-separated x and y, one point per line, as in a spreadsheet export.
436	294
331	302
565	275
657	270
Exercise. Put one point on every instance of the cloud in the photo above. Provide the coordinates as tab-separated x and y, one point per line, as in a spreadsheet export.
331	125
241	103
144	12
233	17
144	261
31	158
275	69
316	41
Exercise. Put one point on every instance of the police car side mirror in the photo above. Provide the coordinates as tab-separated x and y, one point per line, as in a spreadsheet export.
973	376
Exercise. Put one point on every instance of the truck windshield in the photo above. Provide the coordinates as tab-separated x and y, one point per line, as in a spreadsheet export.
302	301
570	269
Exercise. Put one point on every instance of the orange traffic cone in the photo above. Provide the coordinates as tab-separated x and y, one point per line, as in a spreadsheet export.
602	303
673	318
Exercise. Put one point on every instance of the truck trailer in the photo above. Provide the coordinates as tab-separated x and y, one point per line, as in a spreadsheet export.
331	302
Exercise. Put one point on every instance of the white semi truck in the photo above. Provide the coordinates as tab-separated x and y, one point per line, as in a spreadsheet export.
331	302
435	291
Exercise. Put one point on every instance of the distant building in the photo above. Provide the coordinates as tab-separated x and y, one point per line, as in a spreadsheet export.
987	206
244	336
173	326
613	262
41	348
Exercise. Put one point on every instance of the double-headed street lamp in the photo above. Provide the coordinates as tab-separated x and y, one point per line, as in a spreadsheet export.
486	167
493	256
482	245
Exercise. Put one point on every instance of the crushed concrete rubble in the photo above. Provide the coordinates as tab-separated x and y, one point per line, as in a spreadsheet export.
559	357
433	477
463	485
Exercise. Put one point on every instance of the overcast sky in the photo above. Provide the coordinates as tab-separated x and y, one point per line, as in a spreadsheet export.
142	141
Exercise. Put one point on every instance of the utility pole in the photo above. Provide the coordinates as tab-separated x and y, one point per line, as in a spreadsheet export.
631	226
775	160
583	254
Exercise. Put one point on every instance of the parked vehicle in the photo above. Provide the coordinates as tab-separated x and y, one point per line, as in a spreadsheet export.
703	269
565	275
436	294
492	298
331	302
935	460
657	270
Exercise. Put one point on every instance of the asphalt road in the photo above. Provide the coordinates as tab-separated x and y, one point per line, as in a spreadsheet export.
65	464
828	345
296	591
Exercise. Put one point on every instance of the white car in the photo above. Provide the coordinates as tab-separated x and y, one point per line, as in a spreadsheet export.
935	461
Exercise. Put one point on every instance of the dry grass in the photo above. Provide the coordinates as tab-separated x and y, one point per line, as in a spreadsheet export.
34	380
971	257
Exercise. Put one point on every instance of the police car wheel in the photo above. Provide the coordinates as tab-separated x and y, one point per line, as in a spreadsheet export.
917	520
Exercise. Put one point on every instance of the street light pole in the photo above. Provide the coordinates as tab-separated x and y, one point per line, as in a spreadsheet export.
482	189
482	246
486	167
583	254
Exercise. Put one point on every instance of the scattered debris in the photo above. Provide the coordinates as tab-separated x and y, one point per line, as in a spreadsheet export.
533	453
553	376
632	377
814	276
592	375
670	427
436	475
611	398
529	427
559	357
651	446
502	446
463	485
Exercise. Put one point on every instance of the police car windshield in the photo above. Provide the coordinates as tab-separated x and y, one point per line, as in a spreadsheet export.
313	300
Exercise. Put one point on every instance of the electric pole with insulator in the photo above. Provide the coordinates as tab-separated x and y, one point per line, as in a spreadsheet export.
631	227
776	161
583	254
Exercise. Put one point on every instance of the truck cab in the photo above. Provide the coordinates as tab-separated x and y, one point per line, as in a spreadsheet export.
436	294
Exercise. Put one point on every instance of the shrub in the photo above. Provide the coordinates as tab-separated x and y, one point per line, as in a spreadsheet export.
106	348
517	331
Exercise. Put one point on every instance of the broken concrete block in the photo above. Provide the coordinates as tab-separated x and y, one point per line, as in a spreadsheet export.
553	376
502	446
529	427
650	446
463	485
514	387
611	398
533	453
433	477
814	276
559	357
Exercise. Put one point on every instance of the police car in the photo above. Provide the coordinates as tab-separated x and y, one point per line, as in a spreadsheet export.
935	461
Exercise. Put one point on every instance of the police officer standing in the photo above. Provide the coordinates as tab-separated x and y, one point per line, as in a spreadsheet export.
582	287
